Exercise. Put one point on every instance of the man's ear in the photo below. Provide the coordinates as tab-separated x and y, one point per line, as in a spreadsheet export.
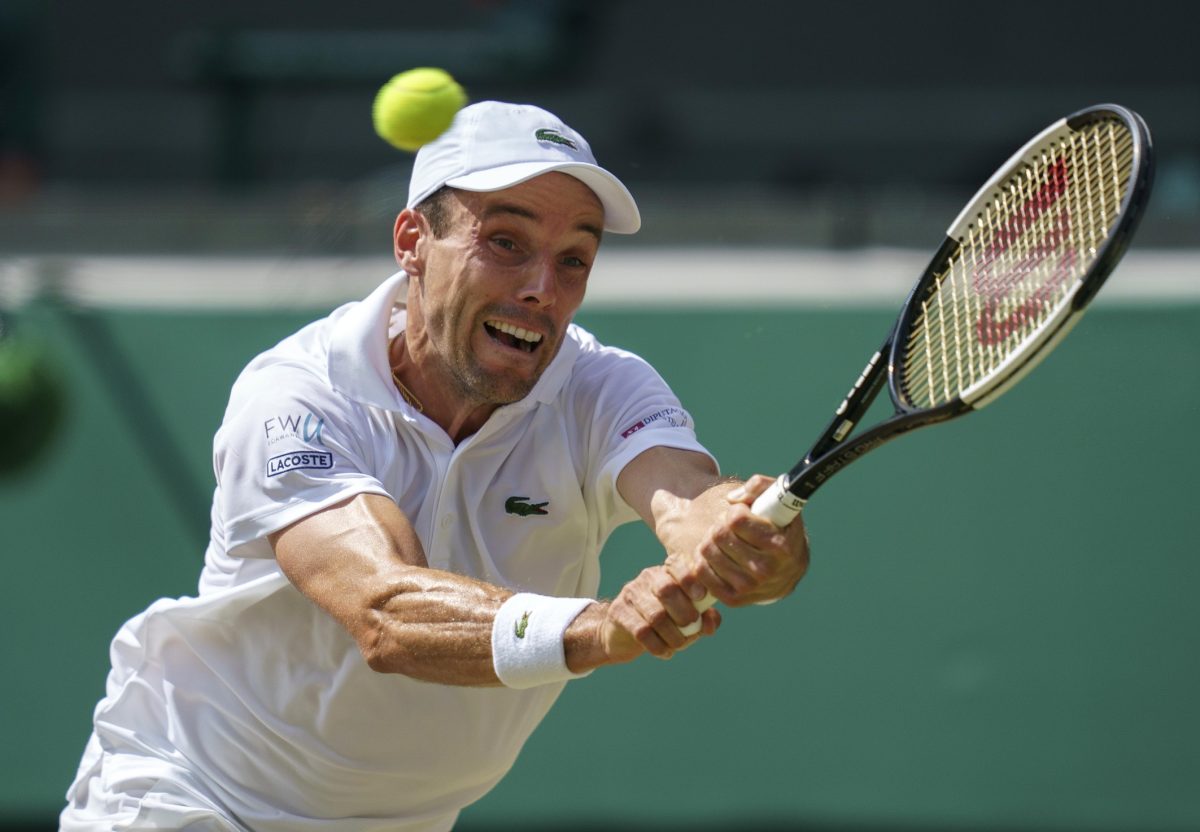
407	237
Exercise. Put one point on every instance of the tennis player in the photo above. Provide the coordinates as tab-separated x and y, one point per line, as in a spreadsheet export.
412	495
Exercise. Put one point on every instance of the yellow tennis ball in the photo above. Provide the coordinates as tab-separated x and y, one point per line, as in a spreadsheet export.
416	107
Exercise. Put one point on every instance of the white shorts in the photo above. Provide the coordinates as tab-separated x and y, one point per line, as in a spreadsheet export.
126	791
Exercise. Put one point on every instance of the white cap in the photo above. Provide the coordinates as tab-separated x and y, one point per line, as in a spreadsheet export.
491	146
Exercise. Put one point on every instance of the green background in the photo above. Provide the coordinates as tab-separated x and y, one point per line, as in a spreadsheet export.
998	631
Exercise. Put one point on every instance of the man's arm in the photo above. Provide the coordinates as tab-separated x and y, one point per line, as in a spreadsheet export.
362	562
713	541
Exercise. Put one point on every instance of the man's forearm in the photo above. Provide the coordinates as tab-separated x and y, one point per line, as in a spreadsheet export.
435	626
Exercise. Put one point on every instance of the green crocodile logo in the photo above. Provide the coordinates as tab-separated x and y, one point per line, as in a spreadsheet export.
518	506
547	134
522	625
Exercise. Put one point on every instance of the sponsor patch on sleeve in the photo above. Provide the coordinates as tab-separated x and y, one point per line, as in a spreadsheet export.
671	417
297	460
303	427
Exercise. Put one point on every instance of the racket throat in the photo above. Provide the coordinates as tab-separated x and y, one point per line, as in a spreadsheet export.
852	409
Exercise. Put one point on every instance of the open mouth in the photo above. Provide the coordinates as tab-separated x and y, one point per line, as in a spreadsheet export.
513	336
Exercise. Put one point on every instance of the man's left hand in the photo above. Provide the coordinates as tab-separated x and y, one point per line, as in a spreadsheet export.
745	559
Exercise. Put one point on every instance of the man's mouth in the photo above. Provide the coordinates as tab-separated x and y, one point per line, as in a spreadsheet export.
513	336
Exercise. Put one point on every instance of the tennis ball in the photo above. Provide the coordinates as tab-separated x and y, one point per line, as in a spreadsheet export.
416	107
32	404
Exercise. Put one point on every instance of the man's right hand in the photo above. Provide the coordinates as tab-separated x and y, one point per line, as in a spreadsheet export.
645	617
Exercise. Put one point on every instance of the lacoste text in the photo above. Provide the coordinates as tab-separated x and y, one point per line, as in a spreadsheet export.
283	463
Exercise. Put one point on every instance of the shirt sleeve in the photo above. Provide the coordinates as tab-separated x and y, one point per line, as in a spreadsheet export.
634	410
289	448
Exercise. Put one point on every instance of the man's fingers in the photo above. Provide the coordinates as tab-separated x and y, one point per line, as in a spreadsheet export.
752	557
659	609
699	579
750	490
732	577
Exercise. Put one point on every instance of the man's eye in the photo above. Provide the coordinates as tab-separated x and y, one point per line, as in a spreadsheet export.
504	243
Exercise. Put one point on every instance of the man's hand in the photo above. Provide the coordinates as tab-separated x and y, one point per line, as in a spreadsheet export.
714	544
744	559
645	617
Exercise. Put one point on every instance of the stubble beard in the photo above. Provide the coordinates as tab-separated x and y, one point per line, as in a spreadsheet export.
482	386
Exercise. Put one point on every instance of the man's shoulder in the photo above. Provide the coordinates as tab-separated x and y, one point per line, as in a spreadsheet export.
295	369
599	366
282	367
593	354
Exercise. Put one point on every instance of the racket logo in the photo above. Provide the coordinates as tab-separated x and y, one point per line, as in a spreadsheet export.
1010	261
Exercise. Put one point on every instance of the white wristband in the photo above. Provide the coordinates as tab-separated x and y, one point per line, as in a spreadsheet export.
527	639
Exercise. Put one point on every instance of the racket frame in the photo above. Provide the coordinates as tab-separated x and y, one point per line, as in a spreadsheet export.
833	451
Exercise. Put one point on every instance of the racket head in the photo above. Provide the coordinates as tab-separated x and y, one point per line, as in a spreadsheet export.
1021	261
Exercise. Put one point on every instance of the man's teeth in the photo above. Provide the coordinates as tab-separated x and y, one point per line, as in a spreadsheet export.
516	331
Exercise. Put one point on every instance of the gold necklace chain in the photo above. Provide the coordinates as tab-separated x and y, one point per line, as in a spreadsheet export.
408	395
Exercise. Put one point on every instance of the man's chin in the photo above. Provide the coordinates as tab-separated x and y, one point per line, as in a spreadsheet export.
503	383
510	390
502	387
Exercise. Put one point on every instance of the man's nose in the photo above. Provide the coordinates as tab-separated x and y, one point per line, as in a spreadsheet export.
540	286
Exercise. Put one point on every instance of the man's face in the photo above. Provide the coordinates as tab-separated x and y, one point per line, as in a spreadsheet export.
499	289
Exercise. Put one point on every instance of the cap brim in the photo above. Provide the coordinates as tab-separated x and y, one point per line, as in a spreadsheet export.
621	215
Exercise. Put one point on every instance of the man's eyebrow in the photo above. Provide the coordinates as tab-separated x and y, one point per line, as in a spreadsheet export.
521	211
508	208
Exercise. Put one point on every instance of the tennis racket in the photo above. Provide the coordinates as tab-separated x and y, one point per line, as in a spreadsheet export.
1016	271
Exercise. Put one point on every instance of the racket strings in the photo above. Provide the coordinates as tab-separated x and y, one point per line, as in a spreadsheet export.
1019	262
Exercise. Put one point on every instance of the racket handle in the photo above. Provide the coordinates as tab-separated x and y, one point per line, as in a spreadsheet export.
778	505
703	604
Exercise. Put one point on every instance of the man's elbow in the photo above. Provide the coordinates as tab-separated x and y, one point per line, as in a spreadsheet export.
379	645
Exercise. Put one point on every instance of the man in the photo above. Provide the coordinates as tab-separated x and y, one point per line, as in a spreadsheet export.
411	498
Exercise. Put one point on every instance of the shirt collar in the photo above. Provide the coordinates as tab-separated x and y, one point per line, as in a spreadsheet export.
359	366
358	347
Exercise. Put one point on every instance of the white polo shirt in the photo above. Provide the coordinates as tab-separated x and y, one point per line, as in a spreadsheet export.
249	703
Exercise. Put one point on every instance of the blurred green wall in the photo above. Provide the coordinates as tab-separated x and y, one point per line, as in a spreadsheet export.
999	629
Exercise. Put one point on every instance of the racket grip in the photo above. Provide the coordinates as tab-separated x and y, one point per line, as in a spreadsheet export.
703	604
776	504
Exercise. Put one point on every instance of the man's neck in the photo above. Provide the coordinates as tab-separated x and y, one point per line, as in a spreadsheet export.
457	415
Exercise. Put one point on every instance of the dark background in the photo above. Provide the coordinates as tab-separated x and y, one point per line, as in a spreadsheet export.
210	124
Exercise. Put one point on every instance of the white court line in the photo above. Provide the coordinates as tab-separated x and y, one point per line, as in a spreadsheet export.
623	278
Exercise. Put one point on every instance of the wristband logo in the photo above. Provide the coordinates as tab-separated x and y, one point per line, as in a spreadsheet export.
522	624
297	460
